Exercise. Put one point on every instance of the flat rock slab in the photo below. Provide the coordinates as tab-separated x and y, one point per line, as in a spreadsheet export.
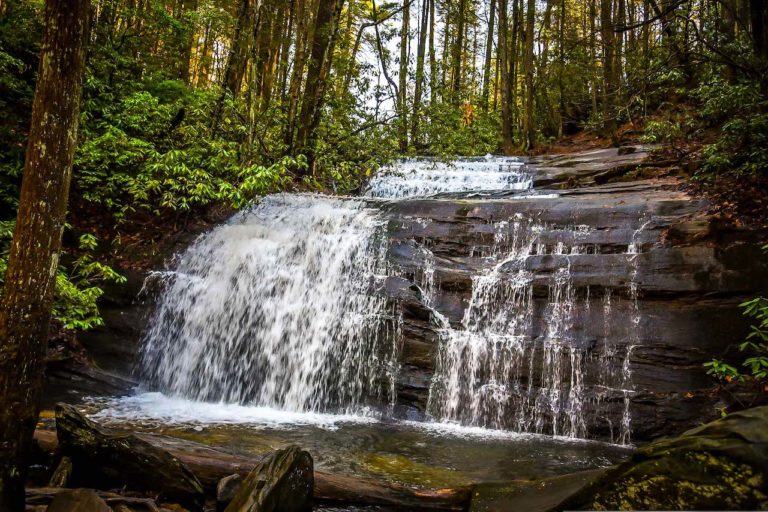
587	167
530	496
78	500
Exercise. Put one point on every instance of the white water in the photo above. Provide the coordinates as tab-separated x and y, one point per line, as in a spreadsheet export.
273	309
419	178
485	368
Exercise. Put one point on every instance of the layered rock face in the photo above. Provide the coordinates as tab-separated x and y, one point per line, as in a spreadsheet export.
586	312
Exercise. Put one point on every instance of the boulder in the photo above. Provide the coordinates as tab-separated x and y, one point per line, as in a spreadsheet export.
104	459
722	465
78	500
227	489
281	483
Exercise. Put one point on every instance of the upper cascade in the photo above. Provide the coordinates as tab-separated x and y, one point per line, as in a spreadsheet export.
426	177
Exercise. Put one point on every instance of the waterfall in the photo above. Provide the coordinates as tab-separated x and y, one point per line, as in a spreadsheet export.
275	309
285	307
485	369
425	177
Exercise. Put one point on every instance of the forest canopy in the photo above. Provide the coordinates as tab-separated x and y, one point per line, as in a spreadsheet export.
190	105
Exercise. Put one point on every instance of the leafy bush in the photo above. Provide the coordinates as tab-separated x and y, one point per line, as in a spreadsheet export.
77	290
741	112
756	346
155	153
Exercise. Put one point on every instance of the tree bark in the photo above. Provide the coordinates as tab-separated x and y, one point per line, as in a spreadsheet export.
458	51
507	139
31	275
326	29
606	32
488	55
402	100
530	128
419	87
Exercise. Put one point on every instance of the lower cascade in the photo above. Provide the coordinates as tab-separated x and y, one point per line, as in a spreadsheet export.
286	306
273	308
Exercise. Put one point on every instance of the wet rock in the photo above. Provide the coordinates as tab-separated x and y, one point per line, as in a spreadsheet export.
62	473
531	496
691	272
281	483
78	500
720	466
103	459
226	490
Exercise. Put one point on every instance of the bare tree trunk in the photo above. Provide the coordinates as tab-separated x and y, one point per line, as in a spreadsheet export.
326	29
458	51
507	138
488	55
419	87
299	62
432	55
402	99
530	128
236	61
31	275
606	31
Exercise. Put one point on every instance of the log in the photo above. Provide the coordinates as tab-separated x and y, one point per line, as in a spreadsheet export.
43	496
104	459
211	465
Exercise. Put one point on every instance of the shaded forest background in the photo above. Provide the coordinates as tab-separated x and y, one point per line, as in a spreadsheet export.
193	108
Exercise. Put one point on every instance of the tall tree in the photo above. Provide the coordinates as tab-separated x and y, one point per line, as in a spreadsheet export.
25	310
325	31
402	97
607	35
530	127
419	86
458	50
488	55
507	139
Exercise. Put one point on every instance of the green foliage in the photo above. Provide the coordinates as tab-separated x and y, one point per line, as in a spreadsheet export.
154	151
448	136
740	111
77	290
755	346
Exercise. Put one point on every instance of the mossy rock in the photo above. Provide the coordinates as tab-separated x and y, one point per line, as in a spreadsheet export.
720	466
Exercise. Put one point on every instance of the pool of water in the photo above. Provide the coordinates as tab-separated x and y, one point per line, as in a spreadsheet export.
428	455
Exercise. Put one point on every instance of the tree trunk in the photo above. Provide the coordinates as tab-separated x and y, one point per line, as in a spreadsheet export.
326	29
488	56
33	261
419	87
297	76
458	51
432	56
402	100
236	61
507	140
606	32
530	128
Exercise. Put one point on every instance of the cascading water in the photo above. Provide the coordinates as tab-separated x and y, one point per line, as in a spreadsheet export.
485	369
417	178
274	309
